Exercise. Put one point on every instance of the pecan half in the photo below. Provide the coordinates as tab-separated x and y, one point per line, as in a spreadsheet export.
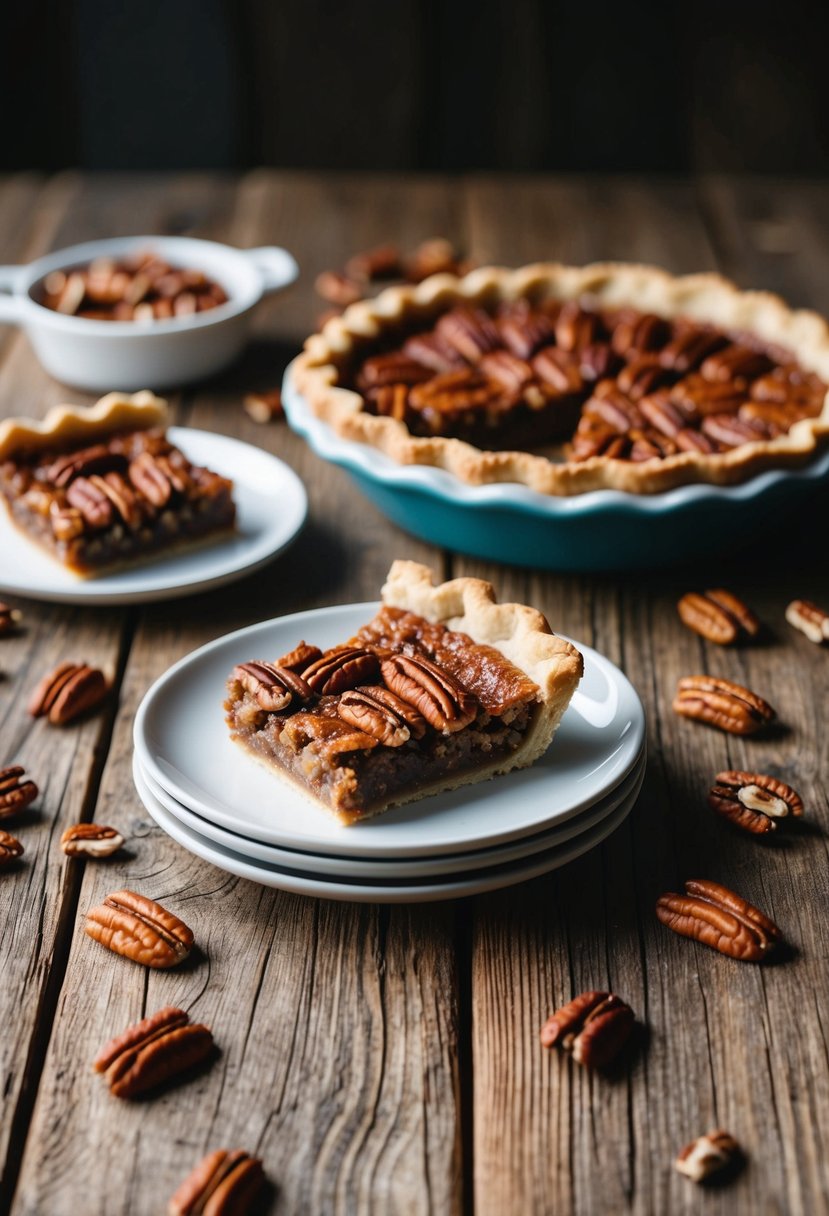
300	657
67	692
225	1183
576	327
717	917
15	794
97	459
149	479
707	1155
140	929
471	332
341	669
434	256
809	619
93	504
753	801
736	362
9	618
273	687
154	1052
593	1027
718	615
378	712
442	701
91	840
10	848
264	407
723	704
122	496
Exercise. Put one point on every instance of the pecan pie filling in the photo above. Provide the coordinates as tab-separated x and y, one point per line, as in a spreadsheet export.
585	381
403	706
125	497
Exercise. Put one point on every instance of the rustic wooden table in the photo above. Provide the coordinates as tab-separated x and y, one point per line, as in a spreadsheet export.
387	1059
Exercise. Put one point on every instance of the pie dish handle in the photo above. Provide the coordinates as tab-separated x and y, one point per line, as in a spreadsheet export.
10	281
276	267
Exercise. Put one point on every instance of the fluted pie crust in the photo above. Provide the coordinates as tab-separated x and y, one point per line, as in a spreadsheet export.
703	298
504	655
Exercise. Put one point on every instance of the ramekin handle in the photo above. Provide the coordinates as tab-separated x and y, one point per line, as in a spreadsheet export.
9	303
275	265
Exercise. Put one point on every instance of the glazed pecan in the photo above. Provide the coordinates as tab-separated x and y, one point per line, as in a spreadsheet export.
93	504
723	704
597	361
122	496
753	801
708	1155
643	375
15	793
613	408
736	362
661	414
454	393
507	370
524	334
558	370
576	327
687	349
140	929
225	1183
430	350
719	918
273	687
636	333
148	477
698	397
392	368
300	657
341	669
154	1052
689	440
594	1027
97	459
442	701
718	615
264	407
91	840
67	692
378	712
471	332
809	619
731	432
9	618
10	848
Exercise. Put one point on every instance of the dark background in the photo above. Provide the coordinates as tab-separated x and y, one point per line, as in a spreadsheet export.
415	84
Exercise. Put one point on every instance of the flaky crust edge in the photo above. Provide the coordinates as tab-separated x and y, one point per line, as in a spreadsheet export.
68	425
704	297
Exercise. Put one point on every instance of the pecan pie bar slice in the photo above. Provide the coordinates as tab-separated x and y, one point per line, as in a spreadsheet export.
442	688
103	486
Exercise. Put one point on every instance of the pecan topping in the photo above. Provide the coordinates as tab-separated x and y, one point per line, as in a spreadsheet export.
9	618
594	1027
442	701
699	397
661	414
300	657
430	350
122	497
642	376
753	801
264	407
225	1183
718	616
638	333
93	504
10	848
140	929
471	332
91	840
97	459
67	692
378	712
719	918
732	432
508	371
154	1052
809	619
707	1155
688	348
149	479
524	334
341	669
575	327
274	687
723	704
393	368
67	522
736	362
614	409
15	794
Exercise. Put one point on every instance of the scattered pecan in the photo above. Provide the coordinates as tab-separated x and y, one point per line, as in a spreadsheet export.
809	619
15	794
138	287
140	929
337	288
381	262
719	918
341	669
225	1183
723	704
753	801
594	1027
9	618
154	1052
10	848
437	695
91	840
378	712
718	615
67	692
435	256
708	1155
264	407
300	657
274	687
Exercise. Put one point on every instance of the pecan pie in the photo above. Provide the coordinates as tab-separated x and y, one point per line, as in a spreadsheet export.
574	379
442	688
103	486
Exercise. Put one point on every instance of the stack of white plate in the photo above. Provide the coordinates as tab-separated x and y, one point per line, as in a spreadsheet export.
218	803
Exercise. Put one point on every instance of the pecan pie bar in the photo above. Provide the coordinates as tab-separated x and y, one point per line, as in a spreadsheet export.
103	486
574	379
442	688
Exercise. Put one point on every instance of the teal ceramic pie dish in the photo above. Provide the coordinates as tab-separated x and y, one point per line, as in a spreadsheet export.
599	530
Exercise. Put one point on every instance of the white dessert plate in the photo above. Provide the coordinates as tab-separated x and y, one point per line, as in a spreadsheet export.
380	891
183	743
271	508
357	867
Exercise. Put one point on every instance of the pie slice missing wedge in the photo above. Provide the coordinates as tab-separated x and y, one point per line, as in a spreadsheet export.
444	687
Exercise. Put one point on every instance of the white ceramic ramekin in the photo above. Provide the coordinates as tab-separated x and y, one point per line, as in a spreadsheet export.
125	355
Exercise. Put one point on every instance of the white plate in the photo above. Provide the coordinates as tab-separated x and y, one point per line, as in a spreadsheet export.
271	508
379	891
183	744
356	867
